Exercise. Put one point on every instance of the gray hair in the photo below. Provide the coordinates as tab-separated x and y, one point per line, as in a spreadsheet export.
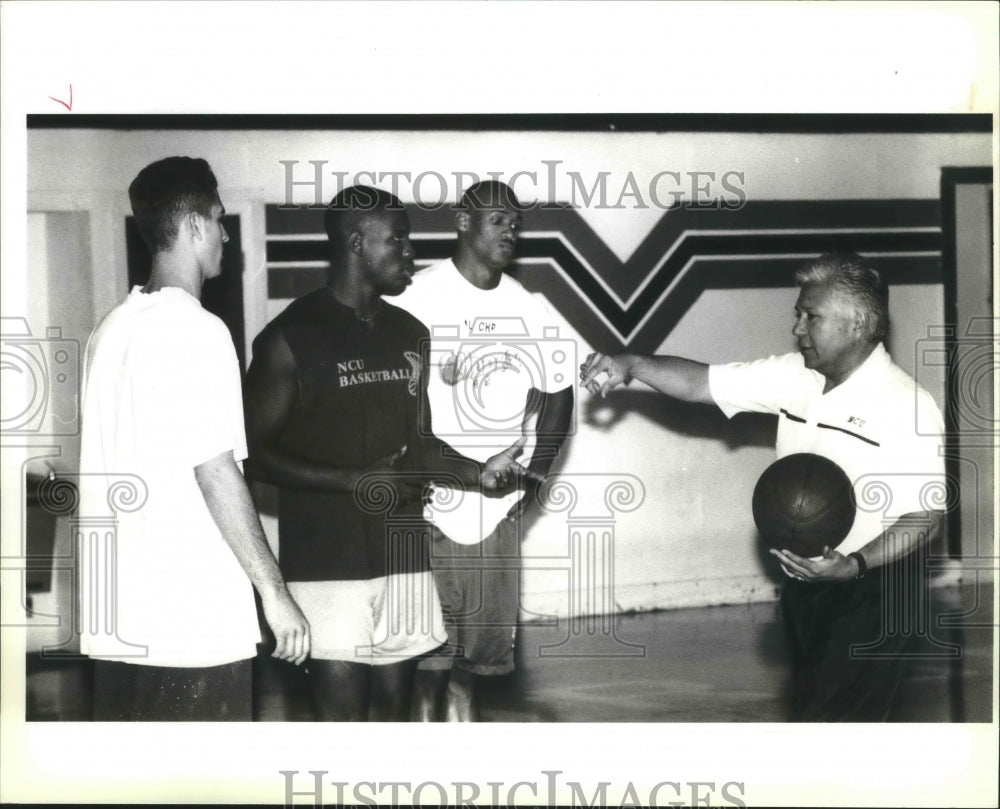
857	279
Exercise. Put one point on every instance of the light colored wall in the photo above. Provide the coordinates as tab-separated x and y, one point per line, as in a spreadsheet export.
783	166
691	541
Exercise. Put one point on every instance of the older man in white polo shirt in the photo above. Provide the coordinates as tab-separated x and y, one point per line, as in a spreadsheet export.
839	396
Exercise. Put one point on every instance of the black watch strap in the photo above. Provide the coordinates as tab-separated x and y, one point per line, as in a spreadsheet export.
862	564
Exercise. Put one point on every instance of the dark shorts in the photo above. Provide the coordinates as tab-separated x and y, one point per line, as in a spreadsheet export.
479	587
128	692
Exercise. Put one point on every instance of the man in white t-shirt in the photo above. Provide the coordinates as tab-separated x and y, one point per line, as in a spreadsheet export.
499	375
168	610
841	397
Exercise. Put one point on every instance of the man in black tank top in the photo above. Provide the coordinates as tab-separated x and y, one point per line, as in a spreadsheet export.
334	397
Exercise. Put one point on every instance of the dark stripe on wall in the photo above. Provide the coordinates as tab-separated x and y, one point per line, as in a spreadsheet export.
301	281
687	251
719	245
844	213
704	274
621	277
624	277
281	221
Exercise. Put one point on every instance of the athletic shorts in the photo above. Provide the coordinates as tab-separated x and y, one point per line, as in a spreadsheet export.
479	586
132	692
374	621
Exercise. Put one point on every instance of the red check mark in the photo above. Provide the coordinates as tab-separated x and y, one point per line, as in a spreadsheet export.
67	106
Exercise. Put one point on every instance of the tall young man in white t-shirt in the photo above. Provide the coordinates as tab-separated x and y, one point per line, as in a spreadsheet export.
496	378
168	611
842	397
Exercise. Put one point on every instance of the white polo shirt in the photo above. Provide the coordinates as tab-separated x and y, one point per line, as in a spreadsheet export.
161	395
868	425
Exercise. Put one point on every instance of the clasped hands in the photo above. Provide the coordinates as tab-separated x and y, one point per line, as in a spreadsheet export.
498	475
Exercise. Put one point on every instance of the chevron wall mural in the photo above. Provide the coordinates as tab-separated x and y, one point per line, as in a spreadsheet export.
636	303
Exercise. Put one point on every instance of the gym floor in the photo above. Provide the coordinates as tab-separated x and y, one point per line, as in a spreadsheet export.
730	664
710	664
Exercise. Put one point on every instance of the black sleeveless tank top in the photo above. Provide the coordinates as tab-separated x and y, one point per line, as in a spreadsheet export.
358	385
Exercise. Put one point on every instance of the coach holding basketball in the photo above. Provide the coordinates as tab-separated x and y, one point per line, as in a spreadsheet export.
842	397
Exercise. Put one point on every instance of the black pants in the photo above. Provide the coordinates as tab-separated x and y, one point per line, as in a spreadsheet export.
128	692
850	642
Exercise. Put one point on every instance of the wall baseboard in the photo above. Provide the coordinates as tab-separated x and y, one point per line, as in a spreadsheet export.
646	597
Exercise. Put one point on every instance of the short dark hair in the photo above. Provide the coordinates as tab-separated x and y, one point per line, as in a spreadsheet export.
488	194
346	211
165	191
859	280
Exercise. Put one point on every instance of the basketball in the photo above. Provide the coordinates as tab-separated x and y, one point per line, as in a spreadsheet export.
803	502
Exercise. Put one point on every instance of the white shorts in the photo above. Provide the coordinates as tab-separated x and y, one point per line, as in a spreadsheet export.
374	621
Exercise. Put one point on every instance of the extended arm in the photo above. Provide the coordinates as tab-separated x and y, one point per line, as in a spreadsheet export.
228	500
675	376
893	544
555	415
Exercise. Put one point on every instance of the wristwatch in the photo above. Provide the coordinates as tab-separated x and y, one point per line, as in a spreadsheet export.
862	564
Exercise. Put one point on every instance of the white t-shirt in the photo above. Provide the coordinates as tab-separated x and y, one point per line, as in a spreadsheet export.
488	349
881	427
161	395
